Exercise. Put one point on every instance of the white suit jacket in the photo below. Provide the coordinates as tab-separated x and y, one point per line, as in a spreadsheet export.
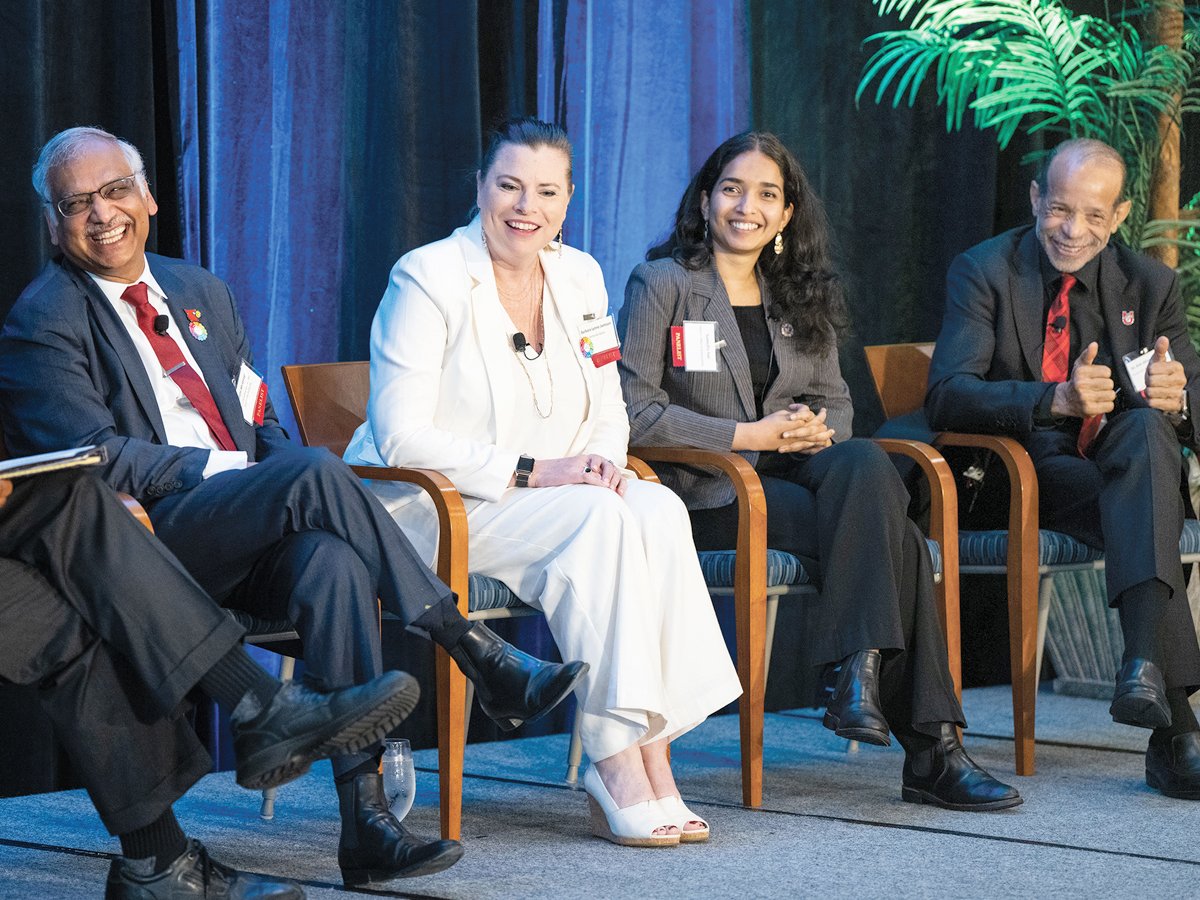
440	349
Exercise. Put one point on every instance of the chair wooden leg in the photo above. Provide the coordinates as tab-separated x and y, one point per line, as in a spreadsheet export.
750	613
1022	627
452	736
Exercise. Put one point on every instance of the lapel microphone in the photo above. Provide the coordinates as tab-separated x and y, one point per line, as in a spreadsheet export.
160	324
1059	323
518	341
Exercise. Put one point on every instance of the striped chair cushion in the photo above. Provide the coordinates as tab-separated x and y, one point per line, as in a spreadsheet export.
488	593
990	548
782	568
1189	541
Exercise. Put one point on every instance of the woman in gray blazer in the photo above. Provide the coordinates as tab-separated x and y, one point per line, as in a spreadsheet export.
755	369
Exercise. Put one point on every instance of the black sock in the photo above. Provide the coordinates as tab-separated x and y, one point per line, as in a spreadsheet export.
1141	610
1183	718
445	624
234	676
156	845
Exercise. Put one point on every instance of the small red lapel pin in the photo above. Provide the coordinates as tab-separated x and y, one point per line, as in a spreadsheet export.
1127	317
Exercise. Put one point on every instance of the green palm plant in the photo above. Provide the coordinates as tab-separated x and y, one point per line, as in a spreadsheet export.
1036	66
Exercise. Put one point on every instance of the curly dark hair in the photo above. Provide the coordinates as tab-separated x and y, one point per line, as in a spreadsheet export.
804	289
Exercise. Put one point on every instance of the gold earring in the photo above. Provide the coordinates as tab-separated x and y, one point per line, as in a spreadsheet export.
778	243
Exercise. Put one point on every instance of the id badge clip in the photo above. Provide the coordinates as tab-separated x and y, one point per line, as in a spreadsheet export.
1137	363
694	346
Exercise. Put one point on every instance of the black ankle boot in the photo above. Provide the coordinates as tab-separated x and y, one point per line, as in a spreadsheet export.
943	775
375	846
853	711
512	687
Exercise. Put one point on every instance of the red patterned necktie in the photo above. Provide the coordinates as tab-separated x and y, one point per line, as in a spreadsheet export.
1056	351
170	357
1056	355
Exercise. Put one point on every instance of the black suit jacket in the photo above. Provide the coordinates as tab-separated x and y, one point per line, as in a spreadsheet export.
985	376
70	376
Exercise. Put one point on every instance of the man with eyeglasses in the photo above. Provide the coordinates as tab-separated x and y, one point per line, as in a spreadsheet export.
146	356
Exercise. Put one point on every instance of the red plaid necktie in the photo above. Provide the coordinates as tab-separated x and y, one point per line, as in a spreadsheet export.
170	357
1056	353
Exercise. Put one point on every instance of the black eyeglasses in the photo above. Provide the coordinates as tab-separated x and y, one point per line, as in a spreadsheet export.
78	204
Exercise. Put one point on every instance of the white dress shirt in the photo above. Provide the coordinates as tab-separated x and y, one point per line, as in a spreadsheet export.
184	425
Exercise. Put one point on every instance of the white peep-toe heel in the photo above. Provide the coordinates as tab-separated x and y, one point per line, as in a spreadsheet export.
632	826
681	816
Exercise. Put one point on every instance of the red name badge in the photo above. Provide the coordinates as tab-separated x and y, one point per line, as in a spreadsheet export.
260	404
677	356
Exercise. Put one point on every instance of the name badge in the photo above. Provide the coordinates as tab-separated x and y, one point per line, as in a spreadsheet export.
1136	365
252	395
598	341
694	346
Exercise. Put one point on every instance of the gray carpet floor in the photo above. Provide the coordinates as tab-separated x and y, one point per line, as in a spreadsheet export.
832	823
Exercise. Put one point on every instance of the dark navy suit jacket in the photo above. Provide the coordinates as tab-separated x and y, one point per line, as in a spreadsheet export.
70	376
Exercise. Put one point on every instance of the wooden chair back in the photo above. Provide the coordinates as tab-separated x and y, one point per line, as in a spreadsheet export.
329	400
900	372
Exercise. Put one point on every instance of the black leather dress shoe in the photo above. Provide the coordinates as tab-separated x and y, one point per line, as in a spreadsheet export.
1141	696
1173	765
196	874
943	775
277	743
375	846
513	687
853	711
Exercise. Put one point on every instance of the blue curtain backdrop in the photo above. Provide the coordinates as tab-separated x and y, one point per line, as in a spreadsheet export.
649	89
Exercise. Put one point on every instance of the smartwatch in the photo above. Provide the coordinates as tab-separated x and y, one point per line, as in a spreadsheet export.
524	470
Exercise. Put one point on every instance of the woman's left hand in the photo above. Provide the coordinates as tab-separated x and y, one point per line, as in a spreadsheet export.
810	435
609	472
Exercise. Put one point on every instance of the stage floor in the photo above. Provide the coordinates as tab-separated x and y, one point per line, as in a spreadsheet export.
832	823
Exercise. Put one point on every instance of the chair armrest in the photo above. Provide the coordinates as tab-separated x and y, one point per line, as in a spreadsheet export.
943	493
136	510
1022	492
750	569
452	521
642	468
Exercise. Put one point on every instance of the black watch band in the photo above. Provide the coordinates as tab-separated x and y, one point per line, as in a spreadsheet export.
524	470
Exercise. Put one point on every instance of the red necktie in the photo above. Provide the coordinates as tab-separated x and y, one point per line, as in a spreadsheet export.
1057	351
170	357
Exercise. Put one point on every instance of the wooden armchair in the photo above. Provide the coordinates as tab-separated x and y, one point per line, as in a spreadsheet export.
757	576
330	401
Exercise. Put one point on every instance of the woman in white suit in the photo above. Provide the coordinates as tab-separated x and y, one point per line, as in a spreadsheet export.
489	363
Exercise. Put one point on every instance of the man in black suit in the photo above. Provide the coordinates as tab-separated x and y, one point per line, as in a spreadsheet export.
146	356
114	656
1079	349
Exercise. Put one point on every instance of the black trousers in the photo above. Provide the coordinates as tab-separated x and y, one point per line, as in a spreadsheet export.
298	536
1125	499
115	633
843	511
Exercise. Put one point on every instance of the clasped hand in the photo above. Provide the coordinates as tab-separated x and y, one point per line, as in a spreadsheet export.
796	429
586	468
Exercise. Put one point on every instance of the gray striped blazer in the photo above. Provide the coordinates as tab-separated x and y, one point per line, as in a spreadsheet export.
670	406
